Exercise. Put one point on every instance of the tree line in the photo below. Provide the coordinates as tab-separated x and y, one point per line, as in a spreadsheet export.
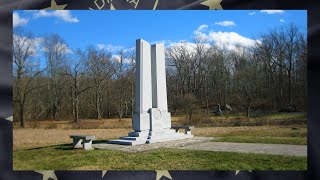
93	83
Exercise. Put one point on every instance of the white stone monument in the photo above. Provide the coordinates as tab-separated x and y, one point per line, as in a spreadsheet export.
151	121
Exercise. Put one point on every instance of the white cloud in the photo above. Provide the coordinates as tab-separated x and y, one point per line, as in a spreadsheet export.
64	15
65	48
202	27
60	47
272	11
231	39
187	46
225	23
252	13
110	47
34	42
18	21
199	32
282	20
38	41
117	58
130	49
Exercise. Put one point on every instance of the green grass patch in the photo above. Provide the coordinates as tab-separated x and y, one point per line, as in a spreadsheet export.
273	132
64	157
274	135
266	140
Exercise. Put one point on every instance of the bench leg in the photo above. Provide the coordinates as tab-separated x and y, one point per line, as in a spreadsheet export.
77	143
87	145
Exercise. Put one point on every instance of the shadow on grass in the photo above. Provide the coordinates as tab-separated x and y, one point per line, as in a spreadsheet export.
56	146
67	146
100	141
70	146
64	147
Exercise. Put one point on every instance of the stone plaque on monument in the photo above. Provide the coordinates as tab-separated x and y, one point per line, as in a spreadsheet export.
151	121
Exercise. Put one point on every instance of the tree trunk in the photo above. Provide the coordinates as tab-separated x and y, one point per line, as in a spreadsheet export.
219	96
289	87
224	95
126	108
207	106
76	117
98	105
248	107
108	100
190	117
21	116
120	117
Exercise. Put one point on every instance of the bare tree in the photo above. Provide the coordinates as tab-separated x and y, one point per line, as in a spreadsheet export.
55	51
283	47
94	83
24	47
187	103
246	76
101	68
76	69
121	81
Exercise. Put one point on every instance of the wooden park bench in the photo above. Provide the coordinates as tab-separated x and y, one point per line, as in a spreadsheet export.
187	129
82	141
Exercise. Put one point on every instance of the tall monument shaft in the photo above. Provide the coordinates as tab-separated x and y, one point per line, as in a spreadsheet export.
160	117
151	121
158	73
140	121
143	76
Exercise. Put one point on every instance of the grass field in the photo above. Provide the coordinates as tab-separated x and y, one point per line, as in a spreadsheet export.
63	157
29	138
270	135
45	145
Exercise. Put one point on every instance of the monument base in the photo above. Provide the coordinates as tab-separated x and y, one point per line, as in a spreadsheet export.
149	137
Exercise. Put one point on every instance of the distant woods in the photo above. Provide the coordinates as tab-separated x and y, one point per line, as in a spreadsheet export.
54	82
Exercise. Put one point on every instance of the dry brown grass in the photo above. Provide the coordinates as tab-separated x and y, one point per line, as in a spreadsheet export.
30	138
82	124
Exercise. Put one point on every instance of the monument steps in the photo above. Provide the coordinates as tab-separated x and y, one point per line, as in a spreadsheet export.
129	138
133	138
127	142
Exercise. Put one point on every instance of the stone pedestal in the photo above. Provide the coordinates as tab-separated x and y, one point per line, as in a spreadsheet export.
82	141
87	145
151	121
77	143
